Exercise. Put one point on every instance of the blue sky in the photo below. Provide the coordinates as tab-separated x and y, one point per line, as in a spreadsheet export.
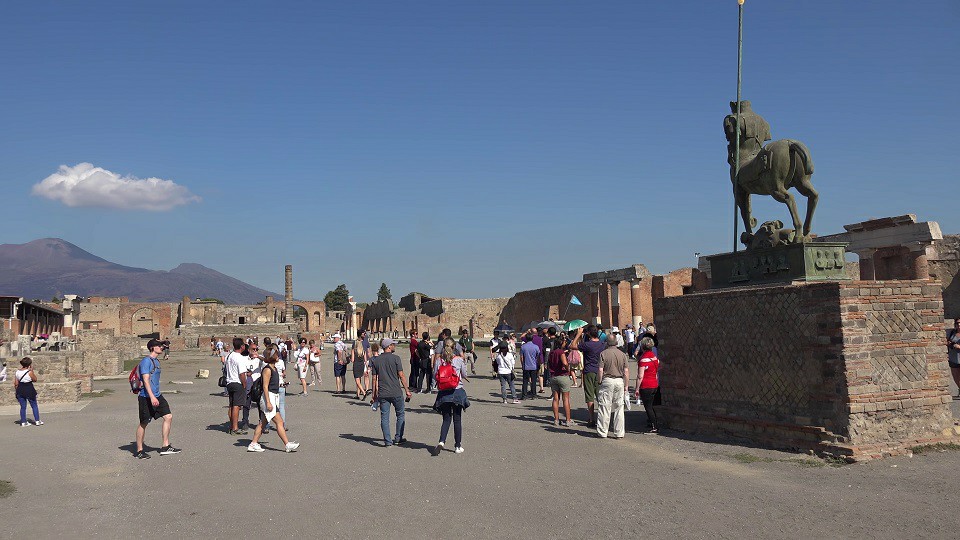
465	149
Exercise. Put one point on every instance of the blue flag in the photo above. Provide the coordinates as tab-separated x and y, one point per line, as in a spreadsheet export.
575	301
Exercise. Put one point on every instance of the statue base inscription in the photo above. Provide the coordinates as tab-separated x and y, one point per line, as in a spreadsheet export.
819	261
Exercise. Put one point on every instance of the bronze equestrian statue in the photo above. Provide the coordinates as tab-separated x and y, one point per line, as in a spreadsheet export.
768	170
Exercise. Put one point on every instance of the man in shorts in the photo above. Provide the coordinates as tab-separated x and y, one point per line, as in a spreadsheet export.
237	385
591	347
153	406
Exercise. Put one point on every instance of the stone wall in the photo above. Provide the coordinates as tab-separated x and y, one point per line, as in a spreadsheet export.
110	350
945	267
534	305
54	392
855	369
199	336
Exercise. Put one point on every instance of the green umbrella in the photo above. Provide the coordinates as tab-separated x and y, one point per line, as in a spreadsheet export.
574	324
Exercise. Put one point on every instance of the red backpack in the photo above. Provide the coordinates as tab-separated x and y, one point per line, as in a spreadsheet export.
447	378
136	383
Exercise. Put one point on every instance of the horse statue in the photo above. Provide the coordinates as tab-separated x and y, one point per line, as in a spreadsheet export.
768	170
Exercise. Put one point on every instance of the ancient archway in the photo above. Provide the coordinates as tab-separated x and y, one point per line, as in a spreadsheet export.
142	323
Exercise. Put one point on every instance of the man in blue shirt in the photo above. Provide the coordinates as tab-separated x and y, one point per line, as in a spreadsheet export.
532	358
153	406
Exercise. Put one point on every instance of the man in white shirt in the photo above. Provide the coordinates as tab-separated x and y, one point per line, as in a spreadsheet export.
237	371
629	336
340	350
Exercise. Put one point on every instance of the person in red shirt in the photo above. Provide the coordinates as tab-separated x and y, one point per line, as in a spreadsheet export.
648	382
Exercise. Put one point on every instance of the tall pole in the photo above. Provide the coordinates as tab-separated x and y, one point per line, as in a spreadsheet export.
736	140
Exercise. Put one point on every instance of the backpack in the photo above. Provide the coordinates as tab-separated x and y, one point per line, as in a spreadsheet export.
256	390
573	359
447	378
136	383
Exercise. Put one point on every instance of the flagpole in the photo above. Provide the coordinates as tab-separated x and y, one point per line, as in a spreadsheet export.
736	146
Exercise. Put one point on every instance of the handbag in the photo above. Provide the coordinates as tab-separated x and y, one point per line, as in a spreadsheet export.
222	381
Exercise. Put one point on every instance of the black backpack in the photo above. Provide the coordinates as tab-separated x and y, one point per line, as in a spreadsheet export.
256	391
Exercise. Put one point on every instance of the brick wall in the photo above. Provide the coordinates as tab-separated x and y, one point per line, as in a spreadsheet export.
531	306
850	368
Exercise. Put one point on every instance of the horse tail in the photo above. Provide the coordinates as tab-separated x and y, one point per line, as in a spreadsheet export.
797	147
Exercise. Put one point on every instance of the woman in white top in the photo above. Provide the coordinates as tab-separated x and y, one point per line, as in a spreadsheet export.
314	366
505	372
23	380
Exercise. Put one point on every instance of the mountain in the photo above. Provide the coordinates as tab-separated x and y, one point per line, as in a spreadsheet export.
53	267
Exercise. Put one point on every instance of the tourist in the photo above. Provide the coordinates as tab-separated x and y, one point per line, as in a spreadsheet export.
574	360
629	339
591	347
152	404
549	345
532	358
236	366
340	357
601	335
3	370
270	403
314	365
302	358
247	366
506	363
414	359
23	388
648	382
494	349
613	372
466	344
219	347
389	389
451	397
651	332
254	365
281	374
560	381
425	353
366	362
953	352
445	334
358	357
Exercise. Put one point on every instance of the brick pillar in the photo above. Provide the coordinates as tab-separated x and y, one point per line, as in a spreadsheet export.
868	270
615	303
595	304
635	302
288	293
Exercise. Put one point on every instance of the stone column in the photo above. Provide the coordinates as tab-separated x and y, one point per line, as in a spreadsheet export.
595	304
288	293
615	303
867	267
635	303
918	256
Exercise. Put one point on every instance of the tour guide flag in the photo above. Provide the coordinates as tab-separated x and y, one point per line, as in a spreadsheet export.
575	301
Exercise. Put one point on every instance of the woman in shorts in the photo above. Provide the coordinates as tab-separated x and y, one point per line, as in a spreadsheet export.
314	365
357	356
560	381
270	403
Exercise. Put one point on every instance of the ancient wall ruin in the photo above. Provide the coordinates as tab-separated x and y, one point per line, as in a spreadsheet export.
945	267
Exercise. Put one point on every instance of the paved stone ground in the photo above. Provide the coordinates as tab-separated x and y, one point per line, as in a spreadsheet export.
519	477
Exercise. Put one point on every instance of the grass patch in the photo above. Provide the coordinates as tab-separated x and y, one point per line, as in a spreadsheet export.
746	458
939	447
97	393
6	489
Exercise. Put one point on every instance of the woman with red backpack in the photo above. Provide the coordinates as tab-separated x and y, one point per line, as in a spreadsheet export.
451	397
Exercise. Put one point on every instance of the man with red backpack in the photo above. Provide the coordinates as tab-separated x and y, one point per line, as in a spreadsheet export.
153	406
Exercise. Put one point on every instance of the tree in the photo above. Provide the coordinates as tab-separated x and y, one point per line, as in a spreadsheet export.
383	293
336	300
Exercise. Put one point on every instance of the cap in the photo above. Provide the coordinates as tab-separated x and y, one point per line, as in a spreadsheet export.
614	329
386	342
336	336
154	343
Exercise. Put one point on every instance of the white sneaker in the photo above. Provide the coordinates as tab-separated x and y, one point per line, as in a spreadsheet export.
254	447
458	450
291	446
38	423
25	424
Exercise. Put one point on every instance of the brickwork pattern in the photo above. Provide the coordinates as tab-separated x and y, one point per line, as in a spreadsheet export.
853	368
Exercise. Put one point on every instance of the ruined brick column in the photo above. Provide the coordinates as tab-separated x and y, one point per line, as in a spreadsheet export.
918	256
288	293
615	303
867	268
595	304
635	302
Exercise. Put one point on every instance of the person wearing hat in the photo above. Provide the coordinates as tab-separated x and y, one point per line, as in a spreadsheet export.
389	388
629	339
340	352
152	404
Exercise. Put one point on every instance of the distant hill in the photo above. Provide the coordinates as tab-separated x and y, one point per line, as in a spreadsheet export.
53	267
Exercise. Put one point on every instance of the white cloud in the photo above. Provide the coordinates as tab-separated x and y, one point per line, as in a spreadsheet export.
86	185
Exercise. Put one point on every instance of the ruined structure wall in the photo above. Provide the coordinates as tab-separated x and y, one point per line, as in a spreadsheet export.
945	267
533	305
855	368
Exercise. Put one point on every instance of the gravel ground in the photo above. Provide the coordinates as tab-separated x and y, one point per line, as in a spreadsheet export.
519	477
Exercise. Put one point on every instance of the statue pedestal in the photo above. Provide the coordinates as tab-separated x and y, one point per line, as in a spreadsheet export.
820	261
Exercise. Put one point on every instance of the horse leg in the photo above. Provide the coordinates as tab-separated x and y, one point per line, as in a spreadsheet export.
806	189
786	198
742	198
